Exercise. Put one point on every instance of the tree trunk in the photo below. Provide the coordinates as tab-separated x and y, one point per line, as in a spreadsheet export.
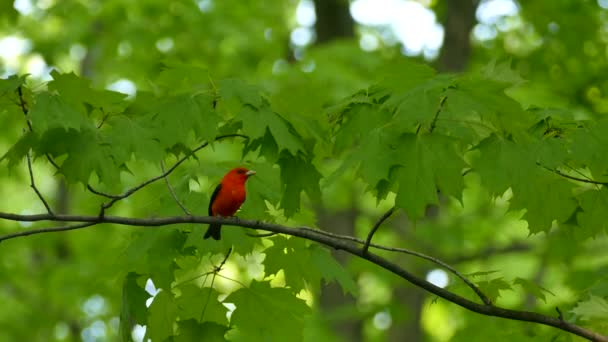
459	21
333	20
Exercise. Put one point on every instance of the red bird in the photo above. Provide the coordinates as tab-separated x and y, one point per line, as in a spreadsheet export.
227	198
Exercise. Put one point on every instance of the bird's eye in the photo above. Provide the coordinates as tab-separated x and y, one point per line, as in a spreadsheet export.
241	171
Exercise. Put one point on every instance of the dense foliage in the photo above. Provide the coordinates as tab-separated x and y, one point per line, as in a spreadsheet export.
518	178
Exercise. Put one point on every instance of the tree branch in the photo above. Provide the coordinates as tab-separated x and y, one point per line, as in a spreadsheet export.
375	228
317	236
33	184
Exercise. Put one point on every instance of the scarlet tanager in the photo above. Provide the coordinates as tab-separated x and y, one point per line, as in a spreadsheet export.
227	198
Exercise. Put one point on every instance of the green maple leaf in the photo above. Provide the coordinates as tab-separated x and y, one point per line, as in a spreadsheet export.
76	91
330	269
297	175
18	151
305	265
190	330
590	146
129	136
133	304
593	308
293	257
546	196
86	153
257	122
10	84
594	205
532	288
193	300
429	162
162	315
283	318
51	111
493	287
419	104
173	118
238	93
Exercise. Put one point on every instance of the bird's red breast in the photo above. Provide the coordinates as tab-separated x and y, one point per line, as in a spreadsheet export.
231	193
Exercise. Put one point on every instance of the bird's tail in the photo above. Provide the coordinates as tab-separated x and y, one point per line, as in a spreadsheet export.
214	232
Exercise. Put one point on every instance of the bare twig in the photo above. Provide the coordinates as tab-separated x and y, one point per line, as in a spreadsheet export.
439	109
184	209
46	230
33	184
100	193
216	271
578	179
219	267
375	228
23	106
341	243
104	117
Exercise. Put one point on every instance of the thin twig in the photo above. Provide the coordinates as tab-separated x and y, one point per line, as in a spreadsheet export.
584	180
33	184
23	106
184	209
216	271
219	267
103	119
375	228
439	109
560	316
100	193
46	230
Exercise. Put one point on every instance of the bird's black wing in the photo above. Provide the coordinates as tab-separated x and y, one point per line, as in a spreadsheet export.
213	196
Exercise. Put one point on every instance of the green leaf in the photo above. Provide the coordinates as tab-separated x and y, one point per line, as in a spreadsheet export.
429	163
257	122
76	91
190	330
297	175
593	308
592	218
233	90
283	318
532	288
10	84
331	269
51	111
18	151
161	317
133	307
545	196
293	257
493	287
590	146
305	265
129	136
173	118
193	300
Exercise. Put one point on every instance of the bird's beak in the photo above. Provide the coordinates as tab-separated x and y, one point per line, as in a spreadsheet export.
250	173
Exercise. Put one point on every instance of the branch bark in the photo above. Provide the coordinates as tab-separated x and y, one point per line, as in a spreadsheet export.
336	242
